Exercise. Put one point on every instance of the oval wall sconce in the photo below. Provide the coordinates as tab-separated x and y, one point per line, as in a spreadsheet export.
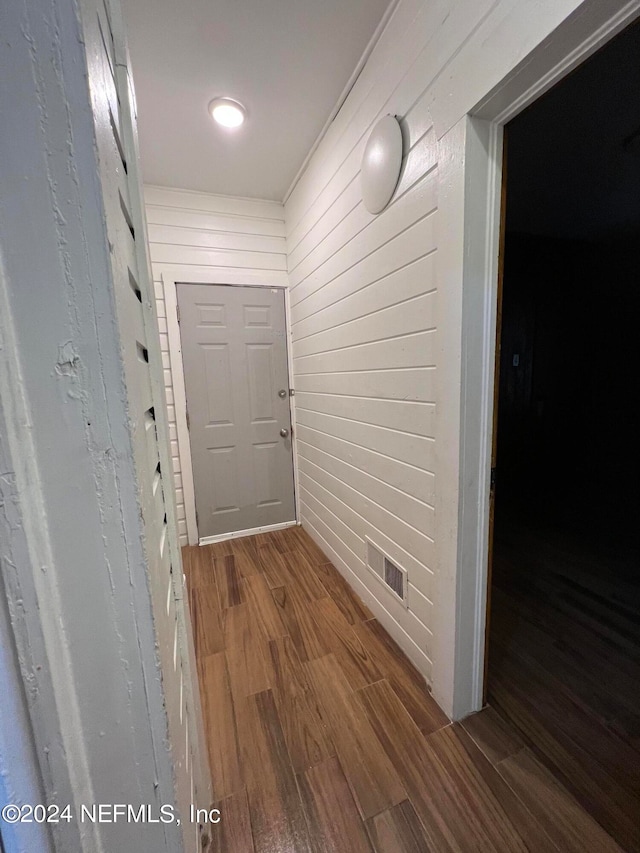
381	164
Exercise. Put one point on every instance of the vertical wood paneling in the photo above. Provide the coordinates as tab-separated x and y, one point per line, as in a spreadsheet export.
195	233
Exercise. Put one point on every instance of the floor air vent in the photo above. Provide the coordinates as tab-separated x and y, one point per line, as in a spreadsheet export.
392	576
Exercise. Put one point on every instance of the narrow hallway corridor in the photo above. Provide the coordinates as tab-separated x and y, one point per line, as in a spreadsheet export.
322	737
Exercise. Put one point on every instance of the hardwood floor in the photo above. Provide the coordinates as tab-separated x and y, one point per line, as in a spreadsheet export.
564	671
323	738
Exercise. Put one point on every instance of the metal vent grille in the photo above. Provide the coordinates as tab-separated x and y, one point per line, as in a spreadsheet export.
391	575
394	578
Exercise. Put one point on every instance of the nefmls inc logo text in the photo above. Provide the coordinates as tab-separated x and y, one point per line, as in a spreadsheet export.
144	813
104	813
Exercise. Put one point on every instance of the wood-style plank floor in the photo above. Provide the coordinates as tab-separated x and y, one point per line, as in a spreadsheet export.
564	664
323	738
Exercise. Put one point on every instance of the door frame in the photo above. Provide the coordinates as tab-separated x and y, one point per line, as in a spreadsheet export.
231	278
470	210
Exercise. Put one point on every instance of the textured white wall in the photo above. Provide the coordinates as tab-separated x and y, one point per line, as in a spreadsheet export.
198	233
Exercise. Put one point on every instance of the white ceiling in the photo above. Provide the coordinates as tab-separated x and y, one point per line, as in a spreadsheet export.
287	61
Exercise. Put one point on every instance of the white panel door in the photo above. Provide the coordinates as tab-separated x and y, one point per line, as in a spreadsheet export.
234	351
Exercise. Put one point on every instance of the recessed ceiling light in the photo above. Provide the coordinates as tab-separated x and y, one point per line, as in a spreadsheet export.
227	112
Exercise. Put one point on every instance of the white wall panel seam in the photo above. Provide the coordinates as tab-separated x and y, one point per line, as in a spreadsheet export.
371	450
393	430
362	290
362	231
291	249
370	370
373	399
396	254
368	474
373	340
366	498
365	257
369	314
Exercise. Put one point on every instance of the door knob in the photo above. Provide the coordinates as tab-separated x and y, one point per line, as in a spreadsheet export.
282	393
284	432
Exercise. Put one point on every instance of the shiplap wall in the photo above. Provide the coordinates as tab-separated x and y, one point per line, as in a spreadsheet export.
366	296
363	294
197	233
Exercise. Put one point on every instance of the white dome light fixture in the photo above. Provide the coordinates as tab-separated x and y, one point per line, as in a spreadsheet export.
227	112
381	164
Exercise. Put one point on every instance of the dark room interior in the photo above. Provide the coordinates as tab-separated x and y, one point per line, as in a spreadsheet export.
564	637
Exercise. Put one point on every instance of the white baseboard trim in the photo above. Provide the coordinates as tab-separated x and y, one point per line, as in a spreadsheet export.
222	537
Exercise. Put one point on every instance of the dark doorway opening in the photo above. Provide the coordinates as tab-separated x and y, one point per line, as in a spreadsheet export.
564	638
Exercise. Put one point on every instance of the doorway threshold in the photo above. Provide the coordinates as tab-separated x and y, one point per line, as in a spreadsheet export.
236	534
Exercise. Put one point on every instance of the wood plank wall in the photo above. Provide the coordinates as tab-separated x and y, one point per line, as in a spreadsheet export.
194	234
363	299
